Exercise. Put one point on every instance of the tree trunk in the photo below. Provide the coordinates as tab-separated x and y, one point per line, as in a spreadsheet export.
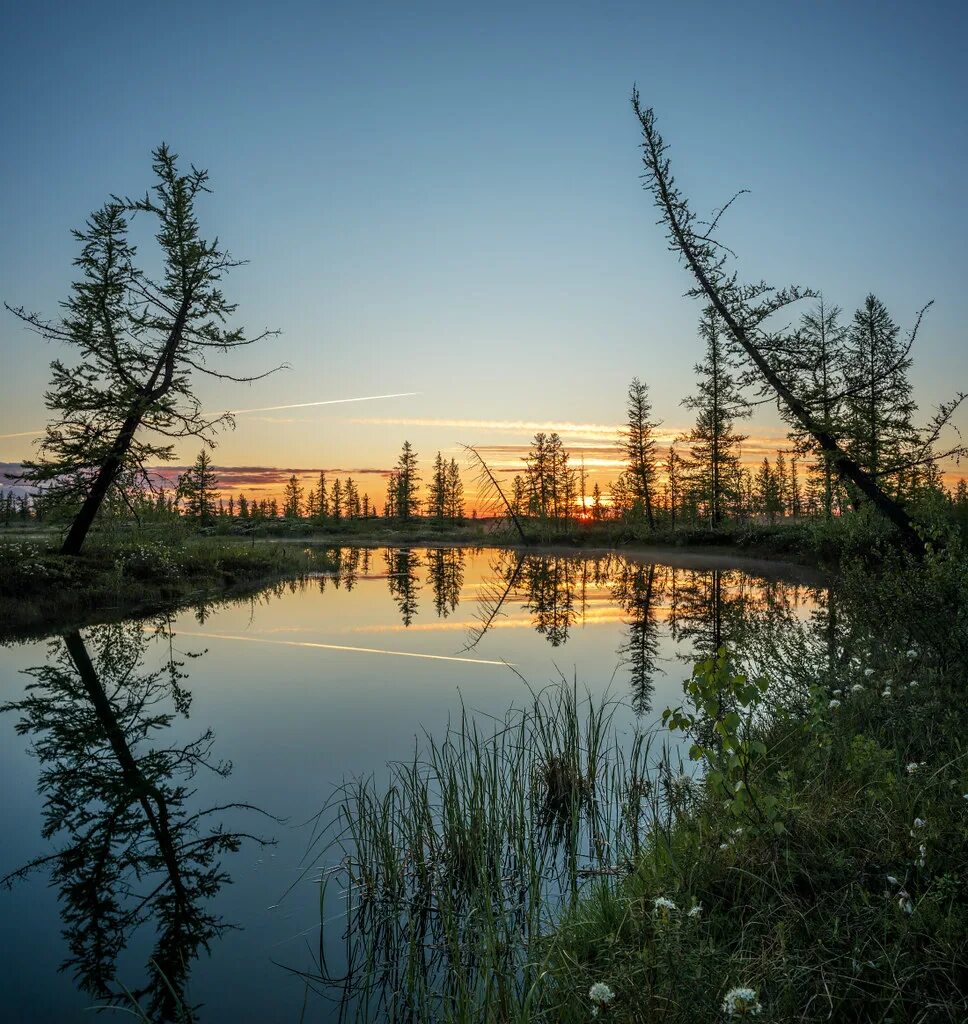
846	466
106	476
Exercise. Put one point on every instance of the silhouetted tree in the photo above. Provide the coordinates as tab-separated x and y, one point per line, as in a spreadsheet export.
713	442
408	484
140	341
198	488
132	850
638	444
744	310
292	501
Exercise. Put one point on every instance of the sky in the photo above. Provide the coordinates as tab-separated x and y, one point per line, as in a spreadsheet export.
442	202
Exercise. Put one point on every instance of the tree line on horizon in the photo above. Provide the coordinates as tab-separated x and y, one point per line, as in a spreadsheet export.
143	339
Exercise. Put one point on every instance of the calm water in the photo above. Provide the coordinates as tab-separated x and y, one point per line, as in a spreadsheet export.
128	746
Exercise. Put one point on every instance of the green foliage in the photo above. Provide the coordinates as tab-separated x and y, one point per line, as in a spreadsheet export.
721	722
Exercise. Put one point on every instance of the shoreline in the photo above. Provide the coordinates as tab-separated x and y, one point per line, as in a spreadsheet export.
102	597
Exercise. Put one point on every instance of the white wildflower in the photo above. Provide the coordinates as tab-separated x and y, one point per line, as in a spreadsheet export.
893	880
742	1002
923	856
857	688
725	846
886	693
695	911
915	766
834	704
837	693
664	907
601	993
904	902
913	685
912	653
868	672
919	823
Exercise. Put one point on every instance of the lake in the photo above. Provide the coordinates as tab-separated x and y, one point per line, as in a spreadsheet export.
142	763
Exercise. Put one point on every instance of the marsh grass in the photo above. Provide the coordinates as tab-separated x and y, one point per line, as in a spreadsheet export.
505	874
451	877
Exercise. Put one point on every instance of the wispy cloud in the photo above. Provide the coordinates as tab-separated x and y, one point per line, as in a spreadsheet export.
502	426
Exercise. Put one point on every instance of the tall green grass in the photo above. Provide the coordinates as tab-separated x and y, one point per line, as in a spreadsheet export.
451	876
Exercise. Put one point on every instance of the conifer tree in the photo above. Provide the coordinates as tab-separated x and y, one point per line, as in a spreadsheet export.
351	499
322	497
336	502
598	509
408	484
390	505
674	473
638	444
437	490
140	341
819	371
879	405
198	488
719	403
292	502
768	491
455	493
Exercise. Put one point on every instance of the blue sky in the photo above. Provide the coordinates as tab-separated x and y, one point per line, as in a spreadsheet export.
445	199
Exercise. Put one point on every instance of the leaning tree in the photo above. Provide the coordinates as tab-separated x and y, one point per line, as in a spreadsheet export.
141	339
777	357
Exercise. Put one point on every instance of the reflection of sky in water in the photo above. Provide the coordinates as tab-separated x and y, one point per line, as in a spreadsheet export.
317	682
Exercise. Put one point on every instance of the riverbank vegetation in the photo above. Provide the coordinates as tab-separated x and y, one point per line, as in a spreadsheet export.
808	864
42	591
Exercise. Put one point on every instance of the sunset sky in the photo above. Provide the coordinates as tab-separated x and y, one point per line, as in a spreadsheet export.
441	202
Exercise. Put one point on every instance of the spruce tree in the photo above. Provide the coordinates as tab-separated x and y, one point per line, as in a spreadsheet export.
638	444
408	484
879	405
719	403
292	502
198	488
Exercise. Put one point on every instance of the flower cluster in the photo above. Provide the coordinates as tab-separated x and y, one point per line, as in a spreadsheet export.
742	1002
601	996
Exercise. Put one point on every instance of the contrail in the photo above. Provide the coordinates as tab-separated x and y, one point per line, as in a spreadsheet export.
330	401
268	408
24	433
341	647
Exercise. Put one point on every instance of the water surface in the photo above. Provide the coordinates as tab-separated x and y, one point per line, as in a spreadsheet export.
143	763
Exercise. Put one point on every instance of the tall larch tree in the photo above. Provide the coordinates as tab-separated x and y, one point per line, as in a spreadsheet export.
141	340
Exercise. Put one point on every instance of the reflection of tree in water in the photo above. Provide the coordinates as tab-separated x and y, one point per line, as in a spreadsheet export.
638	588
445	571
132	851
708	608
402	581
548	584
345	567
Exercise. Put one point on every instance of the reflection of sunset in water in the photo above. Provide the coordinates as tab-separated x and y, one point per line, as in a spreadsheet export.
312	682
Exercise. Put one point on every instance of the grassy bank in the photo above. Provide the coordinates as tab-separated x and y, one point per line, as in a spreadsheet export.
811	866
41	590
